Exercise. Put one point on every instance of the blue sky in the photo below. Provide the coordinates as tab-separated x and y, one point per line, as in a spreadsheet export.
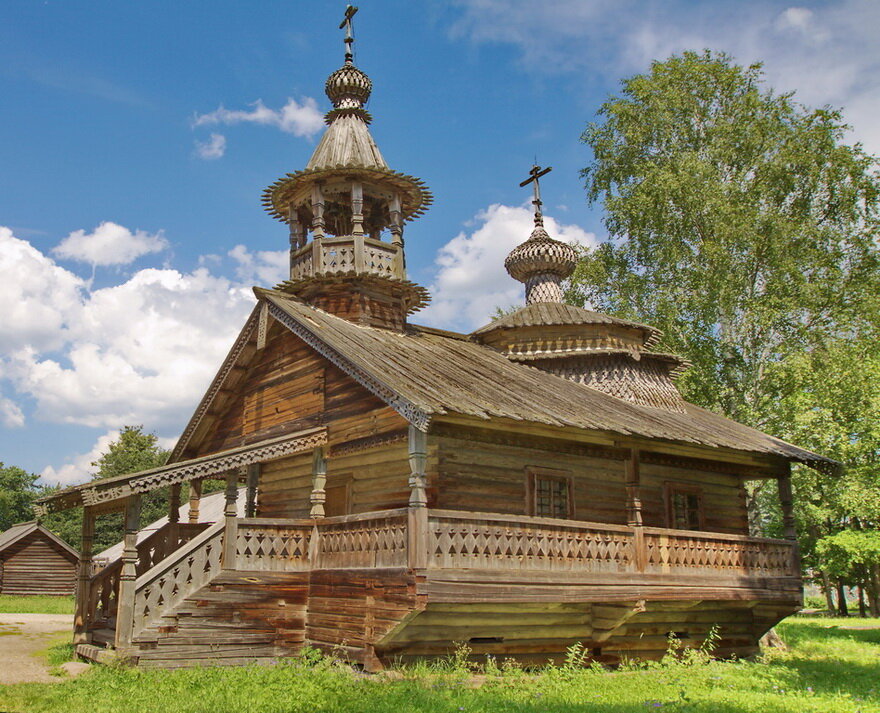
136	139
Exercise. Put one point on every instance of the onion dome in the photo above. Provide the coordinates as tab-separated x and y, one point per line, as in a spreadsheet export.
541	263
348	87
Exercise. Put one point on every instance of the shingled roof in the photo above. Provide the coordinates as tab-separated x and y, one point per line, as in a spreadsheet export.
425	372
540	314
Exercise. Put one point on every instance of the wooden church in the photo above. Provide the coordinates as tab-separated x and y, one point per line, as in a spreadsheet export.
536	483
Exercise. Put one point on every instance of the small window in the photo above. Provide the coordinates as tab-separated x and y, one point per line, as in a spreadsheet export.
338	496
685	507
550	493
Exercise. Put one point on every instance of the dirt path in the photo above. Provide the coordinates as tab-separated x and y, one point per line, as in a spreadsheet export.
22	636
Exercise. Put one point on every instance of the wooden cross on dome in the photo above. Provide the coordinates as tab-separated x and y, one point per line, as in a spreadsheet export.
349	37
536	173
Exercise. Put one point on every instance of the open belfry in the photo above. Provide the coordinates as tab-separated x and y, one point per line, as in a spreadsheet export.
536	483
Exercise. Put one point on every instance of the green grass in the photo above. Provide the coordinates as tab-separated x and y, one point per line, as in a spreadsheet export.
825	670
37	604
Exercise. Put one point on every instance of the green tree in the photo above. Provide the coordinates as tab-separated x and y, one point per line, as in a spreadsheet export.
133	451
745	227
17	491
741	224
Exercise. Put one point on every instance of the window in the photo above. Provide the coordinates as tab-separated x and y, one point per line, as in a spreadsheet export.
550	493
338	496
684	507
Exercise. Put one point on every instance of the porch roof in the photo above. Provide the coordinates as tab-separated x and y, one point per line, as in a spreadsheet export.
109	491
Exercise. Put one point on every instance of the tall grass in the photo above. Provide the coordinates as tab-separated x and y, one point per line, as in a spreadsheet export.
824	670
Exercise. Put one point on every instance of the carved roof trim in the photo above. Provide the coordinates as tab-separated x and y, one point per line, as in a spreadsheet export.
102	491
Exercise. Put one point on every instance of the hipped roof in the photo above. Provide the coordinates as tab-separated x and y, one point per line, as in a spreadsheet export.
425	373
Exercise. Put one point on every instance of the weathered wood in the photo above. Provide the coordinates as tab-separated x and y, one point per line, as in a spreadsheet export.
230	521
125	614
81	621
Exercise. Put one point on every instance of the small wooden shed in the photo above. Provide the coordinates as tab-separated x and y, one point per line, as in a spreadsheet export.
34	561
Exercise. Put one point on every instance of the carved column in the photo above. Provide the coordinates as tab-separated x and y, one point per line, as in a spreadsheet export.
297	235
253	479
632	481
786	501
230	513
357	208
195	499
789	530
396	226
418	499
128	576
173	519
82	618
317	211
319	483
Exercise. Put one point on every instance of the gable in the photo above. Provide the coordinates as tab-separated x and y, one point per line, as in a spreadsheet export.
280	387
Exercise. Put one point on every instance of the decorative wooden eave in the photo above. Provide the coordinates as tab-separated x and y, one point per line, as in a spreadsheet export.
109	490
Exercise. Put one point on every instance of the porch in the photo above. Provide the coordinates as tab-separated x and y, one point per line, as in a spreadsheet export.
447	557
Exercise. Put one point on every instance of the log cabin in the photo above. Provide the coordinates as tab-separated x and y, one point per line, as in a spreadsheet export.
36	561
533	484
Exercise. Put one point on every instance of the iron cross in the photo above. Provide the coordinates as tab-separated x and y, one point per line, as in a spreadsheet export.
349	37
534	175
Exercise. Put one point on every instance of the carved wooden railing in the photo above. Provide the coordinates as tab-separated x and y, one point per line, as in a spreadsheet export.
264	544
346	254
104	584
686	552
161	588
377	539
460	540
104	596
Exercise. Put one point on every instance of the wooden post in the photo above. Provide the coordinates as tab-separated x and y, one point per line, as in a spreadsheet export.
417	517
128	576
319	482
633	495
173	519
357	208
195	497
230	512
83	616
632	481
789	530
253	479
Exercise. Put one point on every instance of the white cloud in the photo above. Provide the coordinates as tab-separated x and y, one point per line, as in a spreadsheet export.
828	54
213	148
142	351
266	267
297	118
11	415
470	279
78	468
110	244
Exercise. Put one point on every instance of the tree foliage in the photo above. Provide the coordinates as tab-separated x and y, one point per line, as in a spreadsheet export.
742	224
17	491
745	227
133	451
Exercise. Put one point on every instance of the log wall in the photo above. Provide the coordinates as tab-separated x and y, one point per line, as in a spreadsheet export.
475	474
35	565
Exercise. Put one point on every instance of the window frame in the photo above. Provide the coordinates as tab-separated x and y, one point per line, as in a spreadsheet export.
535	473
671	488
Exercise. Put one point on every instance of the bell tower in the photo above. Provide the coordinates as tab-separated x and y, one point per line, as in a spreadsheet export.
346	211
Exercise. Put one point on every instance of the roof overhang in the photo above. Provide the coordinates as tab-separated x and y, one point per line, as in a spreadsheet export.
107	491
